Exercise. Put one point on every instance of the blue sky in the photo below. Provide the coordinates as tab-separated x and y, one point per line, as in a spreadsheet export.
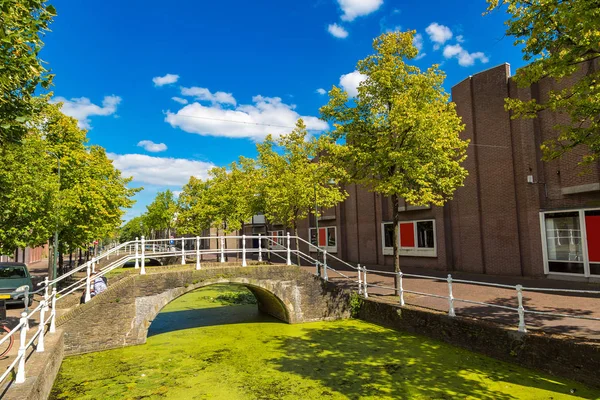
119	64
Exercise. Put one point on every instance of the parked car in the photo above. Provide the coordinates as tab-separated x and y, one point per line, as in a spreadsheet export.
13	277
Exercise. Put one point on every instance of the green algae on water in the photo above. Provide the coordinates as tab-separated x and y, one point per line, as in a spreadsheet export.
200	348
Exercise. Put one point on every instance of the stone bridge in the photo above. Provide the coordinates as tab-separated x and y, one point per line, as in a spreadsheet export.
121	315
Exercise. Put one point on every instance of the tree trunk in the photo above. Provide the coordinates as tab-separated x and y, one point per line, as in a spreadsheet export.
396	214
297	244
80	261
70	259
61	261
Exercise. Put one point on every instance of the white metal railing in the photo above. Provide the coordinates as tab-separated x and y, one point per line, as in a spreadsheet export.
48	303
281	248
520	310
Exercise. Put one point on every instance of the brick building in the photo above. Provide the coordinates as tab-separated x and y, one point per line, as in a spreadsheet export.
515	215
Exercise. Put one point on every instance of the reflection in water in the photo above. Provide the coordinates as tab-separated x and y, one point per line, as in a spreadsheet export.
200	348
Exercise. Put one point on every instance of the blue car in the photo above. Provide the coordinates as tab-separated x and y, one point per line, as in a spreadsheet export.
14	277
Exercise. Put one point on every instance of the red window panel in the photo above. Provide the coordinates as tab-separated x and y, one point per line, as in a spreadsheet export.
407	234
592	229
322	237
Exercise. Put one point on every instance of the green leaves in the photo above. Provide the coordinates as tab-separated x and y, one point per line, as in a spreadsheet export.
401	132
85	204
560	37
22	24
160	214
294	178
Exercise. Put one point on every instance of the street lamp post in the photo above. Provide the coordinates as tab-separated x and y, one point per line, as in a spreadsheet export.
55	240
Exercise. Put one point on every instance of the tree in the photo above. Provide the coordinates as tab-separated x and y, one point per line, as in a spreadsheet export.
194	208
160	214
291	176
22	24
28	189
559	37
401	133
134	228
92	193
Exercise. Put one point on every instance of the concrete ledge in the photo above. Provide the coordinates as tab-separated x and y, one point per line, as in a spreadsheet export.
558	355
590	187
40	371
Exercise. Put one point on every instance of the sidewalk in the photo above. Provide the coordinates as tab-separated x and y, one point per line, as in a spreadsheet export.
562	303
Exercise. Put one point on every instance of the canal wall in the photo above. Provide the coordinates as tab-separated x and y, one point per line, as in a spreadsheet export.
559	355
121	315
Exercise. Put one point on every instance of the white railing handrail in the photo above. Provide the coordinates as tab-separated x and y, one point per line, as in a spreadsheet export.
520	309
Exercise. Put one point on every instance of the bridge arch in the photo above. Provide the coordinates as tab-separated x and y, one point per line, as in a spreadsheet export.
264	292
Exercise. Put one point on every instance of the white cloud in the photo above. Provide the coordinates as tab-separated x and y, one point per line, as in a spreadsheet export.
179	100
358	8
418	42
321	91
349	82
465	58
266	115
205	95
82	108
439	34
337	31
152	147
165	80
460	39
160	170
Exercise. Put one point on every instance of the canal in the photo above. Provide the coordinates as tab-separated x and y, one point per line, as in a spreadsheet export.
214	344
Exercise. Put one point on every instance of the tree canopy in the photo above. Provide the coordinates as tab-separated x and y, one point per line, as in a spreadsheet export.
22	25
160	214
400	136
559	37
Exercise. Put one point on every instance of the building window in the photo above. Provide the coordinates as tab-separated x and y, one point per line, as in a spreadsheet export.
417	238
571	241
327	239
278	239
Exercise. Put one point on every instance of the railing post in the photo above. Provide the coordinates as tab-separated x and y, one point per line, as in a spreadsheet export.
197	252
365	286
521	310
450	297
222	249
143	260
88	296
325	276
94	265
46	295
153	248
401	287
360	288
22	349
182	251
137	254
289	250
244	251
42	327
53	319
259	247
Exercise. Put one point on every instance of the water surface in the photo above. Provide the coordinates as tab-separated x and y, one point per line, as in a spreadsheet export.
203	347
